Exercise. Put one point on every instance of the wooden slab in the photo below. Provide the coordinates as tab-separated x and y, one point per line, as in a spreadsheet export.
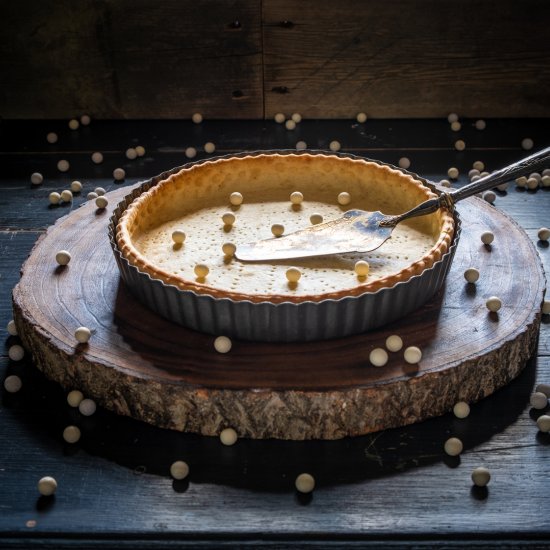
141	365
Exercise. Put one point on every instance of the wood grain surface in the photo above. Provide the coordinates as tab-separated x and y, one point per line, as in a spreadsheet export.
138	364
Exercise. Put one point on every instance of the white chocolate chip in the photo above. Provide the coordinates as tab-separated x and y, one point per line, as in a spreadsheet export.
538	400
480	124
236	199
66	195
290	124
229	249
82	334
334	145
471	275
394	342
543	423
201	271
63	165
47	486
119	174
378	357
279	118
76	186
54	197
493	304
301	145
404	162
228	436
16	352
131	153
197	118
460	145
71	434
305	483
13	383
140	150
37	178
87	407
296	117
179	470
479	165
51	137
97	157
101	202
190	152
293	274
222	344
74	398
489	196
456	126
487	237
209	147
361	268
74	124
296	197
178	236
100	191
361	118
277	229
344	198
412	355
481	476
453	446
452	173
461	409
63	257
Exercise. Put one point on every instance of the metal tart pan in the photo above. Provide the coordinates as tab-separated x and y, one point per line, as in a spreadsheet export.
282	322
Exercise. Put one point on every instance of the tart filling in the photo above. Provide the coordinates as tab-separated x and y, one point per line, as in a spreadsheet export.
196	201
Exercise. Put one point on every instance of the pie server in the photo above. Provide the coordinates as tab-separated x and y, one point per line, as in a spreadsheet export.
361	231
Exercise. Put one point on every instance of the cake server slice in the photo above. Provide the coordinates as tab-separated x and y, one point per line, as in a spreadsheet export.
362	231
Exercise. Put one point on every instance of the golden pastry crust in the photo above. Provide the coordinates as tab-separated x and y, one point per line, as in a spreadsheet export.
269	179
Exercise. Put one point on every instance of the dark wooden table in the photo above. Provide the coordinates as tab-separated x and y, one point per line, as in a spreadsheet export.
395	488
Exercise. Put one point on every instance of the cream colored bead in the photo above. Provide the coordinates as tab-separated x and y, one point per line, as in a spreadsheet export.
543	423
63	257
131	153
471	275
296	197
229	249
521	181
305	483
66	195
222	344
456	126
481	476
489	196
228	436
453	446
102	202
296	117
546	307
301	145
543	234
47	486
97	157
394	342
71	434
293	274
16	352
361	268
334	145
119	174
316	219
201	271
91	196
11	328
452	117
277	229
412	355
54	197
487	237
51	137
493	304
543	388
479	165
538	400
527	144
63	165
87	407
480	124
378	357
279	118
453	173
545	181
532	183
344	198
37	178
140	150
404	162
85	120
460	145
74	124
178	236
445	183
228	218
236	199
83	334
74	398
179	470
197	118
461	409
209	147
503	186
290	124
12	383
190	152
361	118
76	186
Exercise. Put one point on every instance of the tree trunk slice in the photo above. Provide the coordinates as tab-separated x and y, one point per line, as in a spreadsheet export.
141	365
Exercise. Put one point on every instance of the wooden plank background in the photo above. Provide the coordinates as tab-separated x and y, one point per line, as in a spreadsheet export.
252	58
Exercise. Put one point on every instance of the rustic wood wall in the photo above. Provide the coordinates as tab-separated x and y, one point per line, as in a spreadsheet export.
253	58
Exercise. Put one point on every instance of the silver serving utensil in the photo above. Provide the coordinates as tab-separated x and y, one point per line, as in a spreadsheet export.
361	231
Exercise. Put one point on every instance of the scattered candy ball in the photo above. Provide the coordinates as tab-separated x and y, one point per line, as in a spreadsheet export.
54	197
76	186
131	153
361	118
445	183
521	181
394	342
119	174
12	383
456	126
16	352
82	334
538	400
178	236
378	357
179	470
480	124
222	344
471	275
101	202
229	249
503	186
74	398
71	434
527	143
305	483
66	195
279	118
361	268
453	446
209	147
91	195
293	274
301	145
290	124
493	304
412	355
479	165
296	197
190	152
196	118
228	436
85	120
228	218
37	178
296	117
546	307
461	409
100	191
97	157
543	234
532	183
452	117
51	137
47	486
543	423
63	257
404	162
545	181
344	198
453	173
277	229
316	219
87	407
460	145
487	237
74	124
481	476
334	146
11	328
489	196
140	150
63	165
543	388
236	199
201	271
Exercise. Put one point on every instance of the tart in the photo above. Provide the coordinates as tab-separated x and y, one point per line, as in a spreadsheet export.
194	200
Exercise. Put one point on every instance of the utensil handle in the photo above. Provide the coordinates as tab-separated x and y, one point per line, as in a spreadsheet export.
532	163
